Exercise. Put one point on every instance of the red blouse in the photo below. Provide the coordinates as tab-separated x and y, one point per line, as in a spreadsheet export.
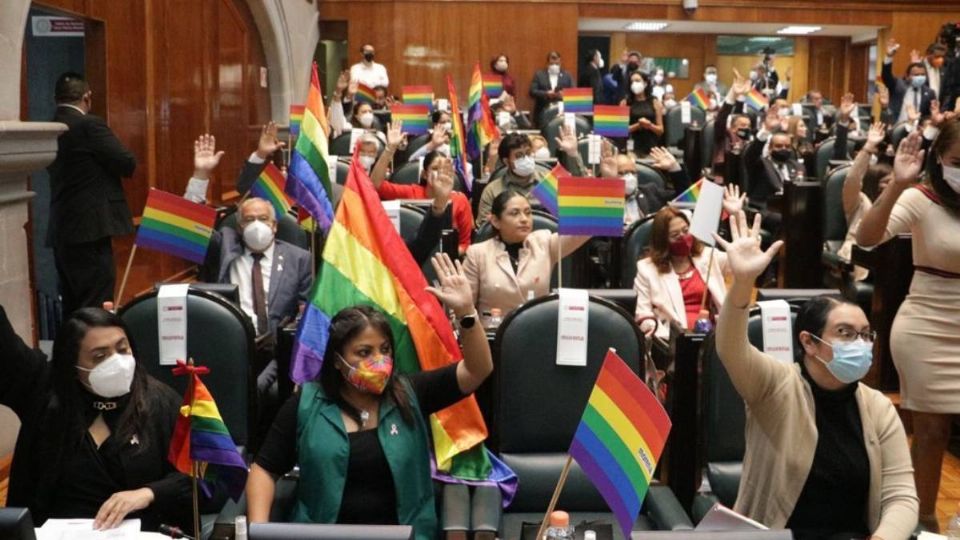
693	288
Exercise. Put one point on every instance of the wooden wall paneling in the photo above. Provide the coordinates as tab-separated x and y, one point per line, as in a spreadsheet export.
827	66
915	30
857	71
693	47
228	91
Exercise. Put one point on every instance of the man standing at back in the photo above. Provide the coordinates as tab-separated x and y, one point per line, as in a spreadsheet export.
87	204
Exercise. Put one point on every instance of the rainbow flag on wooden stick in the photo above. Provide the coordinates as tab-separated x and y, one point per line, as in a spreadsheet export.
591	206
174	225
578	100
296	118
200	437
481	129
546	190
418	95
492	85
699	98
365	94
270	186
620	439
611	120
458	138
756	100
415	118
308	178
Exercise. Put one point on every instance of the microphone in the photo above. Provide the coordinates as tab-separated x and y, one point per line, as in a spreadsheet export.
173	532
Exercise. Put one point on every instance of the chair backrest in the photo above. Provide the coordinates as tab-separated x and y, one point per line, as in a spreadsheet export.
412	146
583	148
647	174
825	154
547	115
340	145
673	127
706	143
834	219
635	241
552	130
541	220
343	169
219	336
408	173
411	216
288	230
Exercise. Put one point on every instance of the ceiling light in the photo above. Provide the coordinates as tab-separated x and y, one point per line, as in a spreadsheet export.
799	30
646	26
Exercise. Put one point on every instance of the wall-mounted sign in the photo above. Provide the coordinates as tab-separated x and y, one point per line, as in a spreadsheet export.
46	26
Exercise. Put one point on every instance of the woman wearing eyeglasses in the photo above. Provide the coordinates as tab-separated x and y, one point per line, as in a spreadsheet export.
825	456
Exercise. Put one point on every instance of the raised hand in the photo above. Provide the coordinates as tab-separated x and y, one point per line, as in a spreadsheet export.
740	85
938	116
509	104
205	156
441	185
909	159
875	136
268	143
915	57
454	291
892	47
343	81
732	199
883	93
352	88
608	167
847	106
395	135
663	159
746	259
439	137
567	141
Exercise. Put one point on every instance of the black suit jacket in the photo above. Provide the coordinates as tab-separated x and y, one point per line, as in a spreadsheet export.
765	179
898	89
87	201
592	77
541	85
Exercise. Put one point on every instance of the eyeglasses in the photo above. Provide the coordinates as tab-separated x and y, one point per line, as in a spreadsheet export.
845	333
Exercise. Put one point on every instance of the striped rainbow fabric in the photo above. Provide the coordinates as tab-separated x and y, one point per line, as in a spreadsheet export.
365	94
458	139
365	261
691	194
591	206
174	225
546	190
296	118
578	100
418	95
611	120
270	185
200	436
620	439
756	100
308	178
699	98
492	85
415	118
481	129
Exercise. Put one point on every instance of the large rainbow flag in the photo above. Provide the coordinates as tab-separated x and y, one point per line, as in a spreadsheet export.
418	95
364	94
270	185
546	190
492	85
591	206
481	128
578	100
308	178
611	120
296	118
415	118
200	436
174	225
699	98
458	139
756	100
620	438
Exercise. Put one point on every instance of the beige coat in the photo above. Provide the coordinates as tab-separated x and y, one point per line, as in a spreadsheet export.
781	438
659	294
492	279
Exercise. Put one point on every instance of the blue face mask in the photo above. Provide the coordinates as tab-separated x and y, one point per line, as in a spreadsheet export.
851	359
918	80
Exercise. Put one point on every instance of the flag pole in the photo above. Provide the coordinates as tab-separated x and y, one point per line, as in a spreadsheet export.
706	283
196	501
126	274
556	495
559	262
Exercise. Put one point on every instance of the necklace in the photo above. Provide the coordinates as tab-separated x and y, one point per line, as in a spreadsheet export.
364	416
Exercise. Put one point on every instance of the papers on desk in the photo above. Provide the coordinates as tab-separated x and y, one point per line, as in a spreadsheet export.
721	518
82	529
924	535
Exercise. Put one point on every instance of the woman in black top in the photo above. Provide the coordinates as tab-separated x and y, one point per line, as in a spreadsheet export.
95	428
646	114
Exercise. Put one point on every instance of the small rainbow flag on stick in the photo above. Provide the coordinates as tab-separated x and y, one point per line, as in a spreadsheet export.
689	195
546	190
174	225
270	185
699	98
418	95
365	94
578	100
756	100
620	439
492	85
296	117
611	120
591	206
415	118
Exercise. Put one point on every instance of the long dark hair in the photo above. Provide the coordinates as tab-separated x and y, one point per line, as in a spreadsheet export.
812	318
949	135
68	390
659	249
345	326
647	90
499	204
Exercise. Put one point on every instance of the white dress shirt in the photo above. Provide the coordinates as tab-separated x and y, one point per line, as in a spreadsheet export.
373	75
933	78
912	97
241	271
554	79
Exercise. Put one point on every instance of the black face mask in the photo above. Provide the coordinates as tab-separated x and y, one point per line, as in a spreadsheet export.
633	66
744	133
368	56
780	155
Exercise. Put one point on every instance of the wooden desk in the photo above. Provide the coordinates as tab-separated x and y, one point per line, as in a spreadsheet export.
802	233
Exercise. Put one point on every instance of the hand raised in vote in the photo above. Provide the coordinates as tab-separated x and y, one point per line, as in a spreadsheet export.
395	135
664	160
268	143
567	141
454	290
746	259
733	200
908	162
875	136
205	156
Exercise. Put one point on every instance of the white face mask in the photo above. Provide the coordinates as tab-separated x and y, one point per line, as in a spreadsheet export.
669	103
754	76
658	92
599	61
542	153
524	166
629	183
501	65
711	78
257	236
112	377
444	150
366	119
554	69
637	87
783	113
951	175
658	78
367	162
447	127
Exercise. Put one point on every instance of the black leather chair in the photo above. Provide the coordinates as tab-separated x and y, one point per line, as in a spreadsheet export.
673	128
288	229
707	143
538	405
219	336
551	131
647	174
407	173
840	270
541	220
413	145
340	145
635	241
825	154
411	216
547	115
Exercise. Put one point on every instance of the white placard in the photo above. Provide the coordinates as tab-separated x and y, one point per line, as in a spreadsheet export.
572	320
560	107
355	135
503	118
82	529
777	329
593	149
706	215
172	323
797	109
393	212
443	105
332	168
570	122
685	113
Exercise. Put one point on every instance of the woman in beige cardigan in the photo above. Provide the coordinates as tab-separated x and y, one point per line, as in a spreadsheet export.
824	453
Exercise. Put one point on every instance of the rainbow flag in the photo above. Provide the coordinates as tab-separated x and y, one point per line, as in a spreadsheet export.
481	127
689	195
308	176
296	118
365	261
591	206
458	140
546	190
418	95
364	94
620	439
415	118
611	120
174	225
699	98
756	100
578	100
492	85
270	186
200	436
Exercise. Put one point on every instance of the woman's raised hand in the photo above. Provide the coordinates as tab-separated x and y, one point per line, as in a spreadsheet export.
746	259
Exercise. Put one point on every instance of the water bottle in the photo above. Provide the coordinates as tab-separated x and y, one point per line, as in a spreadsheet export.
240	528
560	528
953	528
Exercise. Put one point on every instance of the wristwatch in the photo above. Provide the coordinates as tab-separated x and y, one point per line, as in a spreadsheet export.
467	321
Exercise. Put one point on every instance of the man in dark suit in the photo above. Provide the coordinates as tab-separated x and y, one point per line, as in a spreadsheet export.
592	76
87	204
910	97
768	174
548	84
621	72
